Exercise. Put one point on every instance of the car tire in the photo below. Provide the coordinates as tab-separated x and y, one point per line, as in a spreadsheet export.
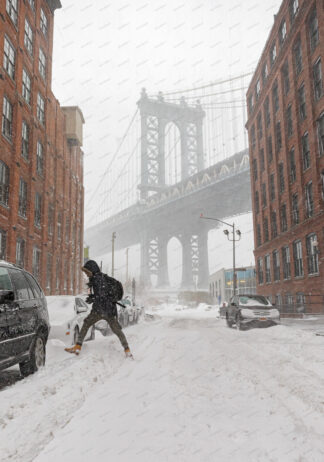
37	357
125	320
75	335
228	322
238	323
93	333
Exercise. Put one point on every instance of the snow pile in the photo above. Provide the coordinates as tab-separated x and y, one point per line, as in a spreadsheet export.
203	310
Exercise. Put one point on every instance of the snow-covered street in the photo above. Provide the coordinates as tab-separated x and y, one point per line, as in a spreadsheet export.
197	391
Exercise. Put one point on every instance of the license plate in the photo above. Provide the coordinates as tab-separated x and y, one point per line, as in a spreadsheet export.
262	319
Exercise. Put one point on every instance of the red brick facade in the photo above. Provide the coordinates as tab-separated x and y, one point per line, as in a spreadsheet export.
57	175
293	90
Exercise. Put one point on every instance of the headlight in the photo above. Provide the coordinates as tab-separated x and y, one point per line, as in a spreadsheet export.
245	313
275	313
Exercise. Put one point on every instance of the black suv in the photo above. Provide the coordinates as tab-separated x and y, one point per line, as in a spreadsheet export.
24	324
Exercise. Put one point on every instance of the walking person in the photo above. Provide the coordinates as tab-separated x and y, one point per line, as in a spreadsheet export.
105	293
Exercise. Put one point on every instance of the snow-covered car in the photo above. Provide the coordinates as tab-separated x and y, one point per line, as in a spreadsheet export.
128	315
251	310
67	313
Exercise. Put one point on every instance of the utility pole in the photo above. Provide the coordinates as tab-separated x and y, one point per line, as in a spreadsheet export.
226	232
127	264
113	237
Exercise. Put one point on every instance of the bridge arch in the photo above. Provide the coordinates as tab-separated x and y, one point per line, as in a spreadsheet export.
175	258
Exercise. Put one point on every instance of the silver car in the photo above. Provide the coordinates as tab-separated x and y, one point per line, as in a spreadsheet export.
251	310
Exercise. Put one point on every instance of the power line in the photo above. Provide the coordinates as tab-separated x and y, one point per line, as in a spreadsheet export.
212	84
210	94
114	157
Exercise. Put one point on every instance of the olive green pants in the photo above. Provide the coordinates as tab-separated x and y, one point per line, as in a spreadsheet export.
113	324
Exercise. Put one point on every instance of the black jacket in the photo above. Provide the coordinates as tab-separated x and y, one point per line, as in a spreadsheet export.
100	288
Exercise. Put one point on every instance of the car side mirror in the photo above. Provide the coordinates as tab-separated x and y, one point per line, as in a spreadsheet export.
6	296
81	309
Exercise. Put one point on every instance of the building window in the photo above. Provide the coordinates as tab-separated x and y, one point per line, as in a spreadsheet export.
302	102
20	252
261	155
40	109
286	262
32	4
295	209
285	76
260	270
283	218
320	131
25	140
301	301
255	169
309	200
275	97
266	229
312	253
257	90
67	230
306	152
250	103
256	201
272	187
36	263
298	258
282	32
289	121
9	58
269	147
42	63
59	226
267	269
273	54
313	30
22	204
253	140
281	178
318	84
50	219
7	118
39	158
3	244
48	271
298	57
4	183
265	73
12	10
43	22
267	111
28	40
259	242
57	273
26	86
292	166
278	136
293	9
274	230
38	210
276	265
264	195
259	125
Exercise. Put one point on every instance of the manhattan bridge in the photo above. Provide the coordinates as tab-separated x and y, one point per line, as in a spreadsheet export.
184	153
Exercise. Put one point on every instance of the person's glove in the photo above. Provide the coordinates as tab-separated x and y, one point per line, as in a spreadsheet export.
89	299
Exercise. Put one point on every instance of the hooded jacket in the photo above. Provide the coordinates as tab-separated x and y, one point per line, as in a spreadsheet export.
100	289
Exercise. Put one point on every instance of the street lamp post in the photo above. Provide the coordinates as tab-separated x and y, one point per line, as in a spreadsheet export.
113	237
227	233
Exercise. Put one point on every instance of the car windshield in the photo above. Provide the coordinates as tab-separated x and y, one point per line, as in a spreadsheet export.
254	300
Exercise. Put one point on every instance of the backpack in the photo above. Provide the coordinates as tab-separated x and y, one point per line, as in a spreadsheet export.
115	290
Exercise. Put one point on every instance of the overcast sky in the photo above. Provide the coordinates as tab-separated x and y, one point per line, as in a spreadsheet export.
106	51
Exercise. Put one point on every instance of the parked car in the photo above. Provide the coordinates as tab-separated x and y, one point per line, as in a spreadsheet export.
67	313
128	315
251	310
24	322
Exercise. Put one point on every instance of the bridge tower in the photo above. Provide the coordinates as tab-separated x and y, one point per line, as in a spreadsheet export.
156	114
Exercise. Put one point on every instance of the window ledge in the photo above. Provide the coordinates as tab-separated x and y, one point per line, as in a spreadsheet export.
313	275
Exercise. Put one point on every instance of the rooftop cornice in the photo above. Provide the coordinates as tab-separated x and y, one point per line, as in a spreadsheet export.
54	4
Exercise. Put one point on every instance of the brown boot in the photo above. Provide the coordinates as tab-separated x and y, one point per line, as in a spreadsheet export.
75	349
128	353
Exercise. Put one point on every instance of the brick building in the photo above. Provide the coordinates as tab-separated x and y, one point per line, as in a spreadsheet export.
286	138
41	163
